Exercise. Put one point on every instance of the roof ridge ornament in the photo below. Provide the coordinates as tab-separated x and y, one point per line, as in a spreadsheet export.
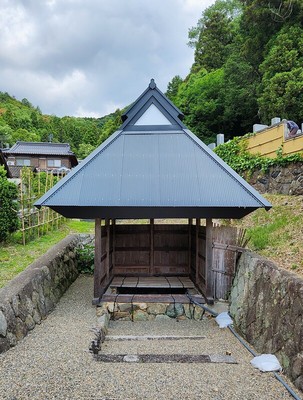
152	84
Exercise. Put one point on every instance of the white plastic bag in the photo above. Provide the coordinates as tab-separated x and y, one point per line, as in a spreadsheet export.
266	363
223	320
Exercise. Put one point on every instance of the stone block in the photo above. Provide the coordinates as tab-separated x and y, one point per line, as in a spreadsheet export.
29	322
161	317
175	310
142	306
140	315
188	310
12	339
9	316
297	366
3	325
129	307
103	322
112	307
21	329
120	315
4	344
36	317
156	308
198	313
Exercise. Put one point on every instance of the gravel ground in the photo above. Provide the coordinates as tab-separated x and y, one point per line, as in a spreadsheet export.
53	362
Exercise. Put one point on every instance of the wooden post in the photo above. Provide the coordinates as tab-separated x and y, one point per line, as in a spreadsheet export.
189	245
114	243
107	223
197	250
98	254
209	260
152	246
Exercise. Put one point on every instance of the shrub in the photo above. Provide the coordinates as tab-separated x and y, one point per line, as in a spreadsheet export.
9	221
235	154
85	257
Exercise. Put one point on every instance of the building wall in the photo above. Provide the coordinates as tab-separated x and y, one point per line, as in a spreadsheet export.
41	162
270	140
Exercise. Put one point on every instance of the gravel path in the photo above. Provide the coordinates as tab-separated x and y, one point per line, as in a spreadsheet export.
53	362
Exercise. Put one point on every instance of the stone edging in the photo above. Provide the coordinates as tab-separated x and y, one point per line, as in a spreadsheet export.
31	295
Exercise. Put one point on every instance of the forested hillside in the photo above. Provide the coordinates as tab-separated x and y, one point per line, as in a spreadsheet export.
20	120
248	67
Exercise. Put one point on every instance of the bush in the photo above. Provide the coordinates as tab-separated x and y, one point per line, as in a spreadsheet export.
235	154
9	221
85	257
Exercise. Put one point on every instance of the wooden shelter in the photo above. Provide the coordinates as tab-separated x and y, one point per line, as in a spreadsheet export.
153	167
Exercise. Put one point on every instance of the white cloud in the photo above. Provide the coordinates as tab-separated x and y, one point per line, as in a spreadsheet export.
72	57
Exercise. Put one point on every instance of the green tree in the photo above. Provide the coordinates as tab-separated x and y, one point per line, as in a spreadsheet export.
84	150
173	86
24	135
200	98
213	35
260	21
281	91
240	95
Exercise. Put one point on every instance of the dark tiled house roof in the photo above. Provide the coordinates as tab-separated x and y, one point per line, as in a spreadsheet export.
42	148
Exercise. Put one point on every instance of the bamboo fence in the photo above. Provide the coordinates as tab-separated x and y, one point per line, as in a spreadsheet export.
35	222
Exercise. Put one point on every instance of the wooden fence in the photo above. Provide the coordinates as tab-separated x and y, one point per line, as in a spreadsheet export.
35	222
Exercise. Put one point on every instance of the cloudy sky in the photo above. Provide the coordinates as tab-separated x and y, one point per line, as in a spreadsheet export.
90	57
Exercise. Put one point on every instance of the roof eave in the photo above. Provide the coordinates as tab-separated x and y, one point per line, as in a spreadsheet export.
91	212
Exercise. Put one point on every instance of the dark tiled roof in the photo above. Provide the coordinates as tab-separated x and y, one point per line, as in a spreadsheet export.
62	149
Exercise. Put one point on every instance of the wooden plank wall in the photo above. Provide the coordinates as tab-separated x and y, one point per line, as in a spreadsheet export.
171	252
224	260
147	250
198	269
103	256
151	250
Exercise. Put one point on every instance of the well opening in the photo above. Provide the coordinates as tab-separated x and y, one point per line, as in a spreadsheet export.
151	290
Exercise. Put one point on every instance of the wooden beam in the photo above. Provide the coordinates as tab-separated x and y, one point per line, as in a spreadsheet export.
114	243
152	222
107	224
98	265
209	260
189	245
197	250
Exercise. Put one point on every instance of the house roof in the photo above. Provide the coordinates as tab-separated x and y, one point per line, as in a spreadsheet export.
147	170
42	148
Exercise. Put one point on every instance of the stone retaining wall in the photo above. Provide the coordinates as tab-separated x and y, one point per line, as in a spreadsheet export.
32	294
267	308
279	180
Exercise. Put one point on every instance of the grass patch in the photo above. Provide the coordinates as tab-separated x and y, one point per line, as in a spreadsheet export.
263	236
14	257
278	233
